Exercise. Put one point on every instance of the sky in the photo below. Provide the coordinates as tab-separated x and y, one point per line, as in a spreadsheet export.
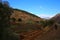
41	8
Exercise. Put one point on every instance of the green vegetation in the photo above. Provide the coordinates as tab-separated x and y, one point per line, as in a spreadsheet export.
45	23
5	13
13	19
30	22
19	19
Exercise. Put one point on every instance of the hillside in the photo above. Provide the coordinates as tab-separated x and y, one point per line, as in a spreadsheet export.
34	30
24	16
56	18
51	35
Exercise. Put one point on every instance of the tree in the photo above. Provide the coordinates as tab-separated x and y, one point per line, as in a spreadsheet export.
43	23
13	19
50	22
5	12
19	19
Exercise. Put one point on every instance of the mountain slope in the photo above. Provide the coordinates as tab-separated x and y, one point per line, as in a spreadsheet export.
56	18
51	35
24	16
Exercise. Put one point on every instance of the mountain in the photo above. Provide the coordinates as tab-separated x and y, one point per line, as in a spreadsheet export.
56	18
24	16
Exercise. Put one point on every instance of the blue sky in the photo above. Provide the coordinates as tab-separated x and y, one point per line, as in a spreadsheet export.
41	8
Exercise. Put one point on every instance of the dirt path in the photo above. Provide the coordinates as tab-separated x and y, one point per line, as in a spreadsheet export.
52	35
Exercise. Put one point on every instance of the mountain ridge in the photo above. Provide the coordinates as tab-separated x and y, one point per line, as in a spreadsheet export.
56	18
24	16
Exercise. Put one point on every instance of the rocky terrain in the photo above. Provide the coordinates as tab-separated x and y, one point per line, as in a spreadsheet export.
24	16
56	18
